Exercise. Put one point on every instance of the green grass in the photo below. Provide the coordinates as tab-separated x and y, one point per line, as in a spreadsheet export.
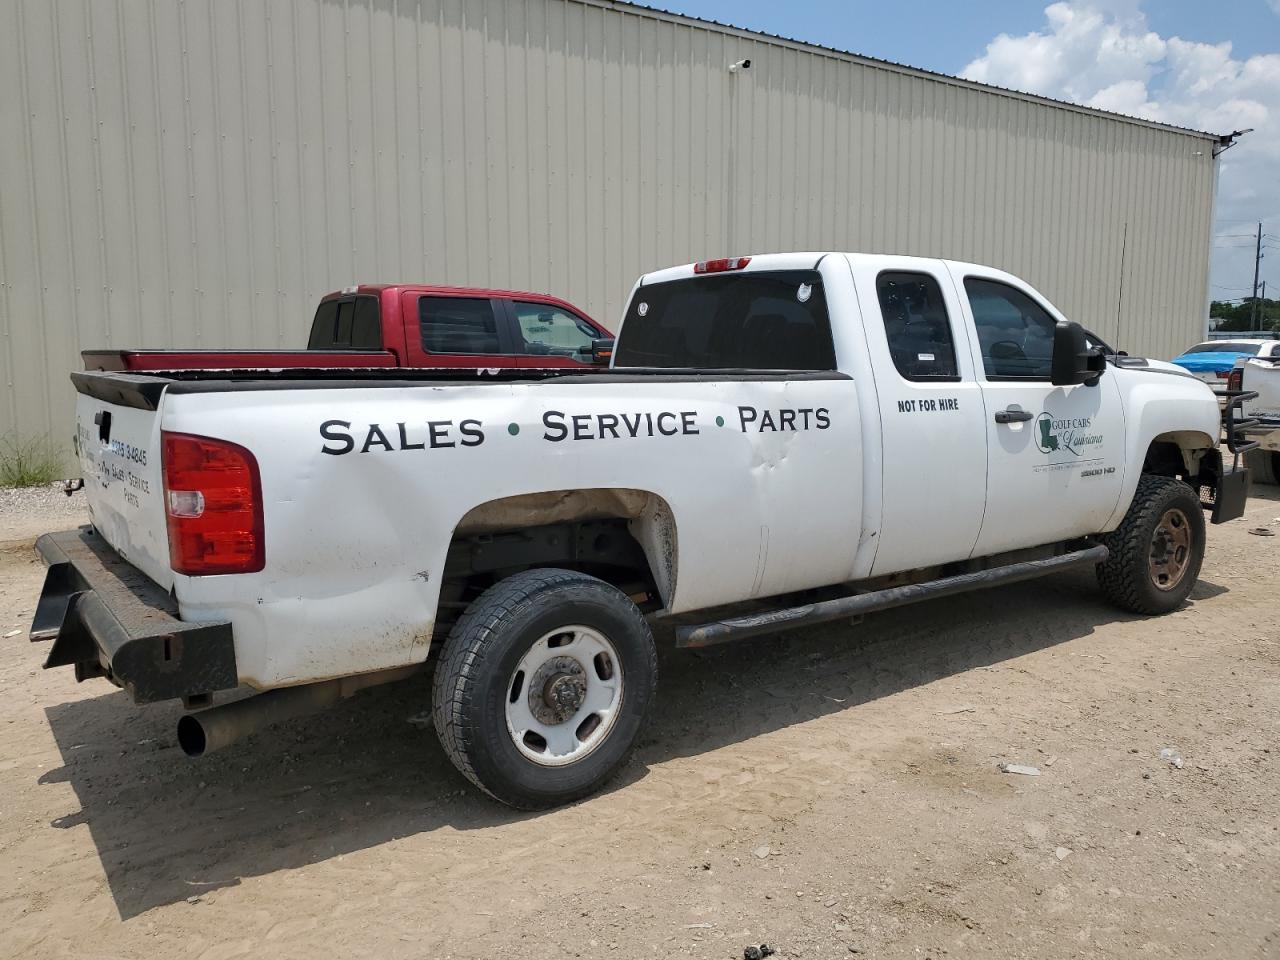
30	462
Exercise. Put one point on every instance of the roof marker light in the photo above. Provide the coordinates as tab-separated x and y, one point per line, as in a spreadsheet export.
722	265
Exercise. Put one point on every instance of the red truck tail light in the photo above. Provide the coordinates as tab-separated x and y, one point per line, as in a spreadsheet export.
1235	379
722	265
213	505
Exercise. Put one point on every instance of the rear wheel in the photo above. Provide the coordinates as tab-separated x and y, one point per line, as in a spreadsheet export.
1264	465
1157	550
543	686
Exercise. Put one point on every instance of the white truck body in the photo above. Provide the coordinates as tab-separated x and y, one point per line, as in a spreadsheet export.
811	435
813	479
1260	375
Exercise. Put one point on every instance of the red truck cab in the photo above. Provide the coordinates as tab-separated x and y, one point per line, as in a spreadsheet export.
406	325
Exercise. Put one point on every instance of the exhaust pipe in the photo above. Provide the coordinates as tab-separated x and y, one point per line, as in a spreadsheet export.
218	727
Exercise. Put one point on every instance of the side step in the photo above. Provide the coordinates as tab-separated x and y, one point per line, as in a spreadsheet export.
722	631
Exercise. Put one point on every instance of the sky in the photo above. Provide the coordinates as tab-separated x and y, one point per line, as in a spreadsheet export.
1211	65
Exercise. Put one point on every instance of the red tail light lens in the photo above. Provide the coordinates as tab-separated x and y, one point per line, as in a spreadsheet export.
1235	379
213	504
722	265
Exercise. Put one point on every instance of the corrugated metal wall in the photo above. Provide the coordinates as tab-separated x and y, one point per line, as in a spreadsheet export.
199	172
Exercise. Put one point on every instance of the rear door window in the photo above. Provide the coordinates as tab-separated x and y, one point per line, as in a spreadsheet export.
354	323
460	325
916	326
549	331
771	320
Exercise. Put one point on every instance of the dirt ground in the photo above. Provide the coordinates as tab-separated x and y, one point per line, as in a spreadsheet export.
832	793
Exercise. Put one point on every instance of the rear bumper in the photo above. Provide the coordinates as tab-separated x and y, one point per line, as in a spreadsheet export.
1266	431
107	619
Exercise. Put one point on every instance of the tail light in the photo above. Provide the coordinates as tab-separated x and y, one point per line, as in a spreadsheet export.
213	504
722	265
1235	379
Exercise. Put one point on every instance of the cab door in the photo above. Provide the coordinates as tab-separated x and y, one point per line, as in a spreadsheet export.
1055	455
931	414
550	336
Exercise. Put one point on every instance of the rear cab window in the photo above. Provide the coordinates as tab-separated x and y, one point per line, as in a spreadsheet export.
767	320
1225	346
352	323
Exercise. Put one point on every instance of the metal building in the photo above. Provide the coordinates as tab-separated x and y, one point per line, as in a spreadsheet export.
199	172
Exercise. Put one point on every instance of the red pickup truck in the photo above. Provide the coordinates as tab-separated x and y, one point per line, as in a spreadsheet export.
399	325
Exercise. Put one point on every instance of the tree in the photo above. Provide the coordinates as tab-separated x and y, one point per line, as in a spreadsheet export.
1238	315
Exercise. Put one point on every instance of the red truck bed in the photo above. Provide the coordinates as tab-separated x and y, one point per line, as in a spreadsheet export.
405	325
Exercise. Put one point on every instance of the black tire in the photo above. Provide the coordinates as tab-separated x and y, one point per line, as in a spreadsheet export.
1264	466
1126	577
474	676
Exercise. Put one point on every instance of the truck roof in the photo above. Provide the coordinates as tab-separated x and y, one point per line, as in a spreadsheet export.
806	260
449	291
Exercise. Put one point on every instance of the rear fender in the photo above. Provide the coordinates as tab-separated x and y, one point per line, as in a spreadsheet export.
649	518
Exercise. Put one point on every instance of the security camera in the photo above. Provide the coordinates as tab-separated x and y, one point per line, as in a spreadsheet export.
740	65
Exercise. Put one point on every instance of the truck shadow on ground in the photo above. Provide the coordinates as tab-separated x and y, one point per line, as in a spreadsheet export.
167	828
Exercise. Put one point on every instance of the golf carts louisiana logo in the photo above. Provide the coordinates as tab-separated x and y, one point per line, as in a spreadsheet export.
1069	434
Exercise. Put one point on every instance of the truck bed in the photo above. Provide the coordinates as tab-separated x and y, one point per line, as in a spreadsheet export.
143	389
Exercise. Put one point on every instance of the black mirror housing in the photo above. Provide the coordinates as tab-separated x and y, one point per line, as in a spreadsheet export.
602	351
1073	361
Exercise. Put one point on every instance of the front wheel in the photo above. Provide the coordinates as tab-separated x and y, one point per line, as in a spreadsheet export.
543	686
1157	550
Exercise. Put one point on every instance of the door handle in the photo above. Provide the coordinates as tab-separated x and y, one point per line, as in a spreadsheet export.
1013	416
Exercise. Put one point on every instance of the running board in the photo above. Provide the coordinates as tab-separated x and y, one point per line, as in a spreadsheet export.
737	628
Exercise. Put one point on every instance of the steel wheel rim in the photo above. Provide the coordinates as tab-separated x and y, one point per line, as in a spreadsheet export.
1170	550
572	672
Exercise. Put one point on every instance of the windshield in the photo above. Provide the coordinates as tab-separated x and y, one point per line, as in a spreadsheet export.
1225	346
769	320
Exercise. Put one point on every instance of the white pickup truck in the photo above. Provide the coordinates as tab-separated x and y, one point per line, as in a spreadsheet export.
782	440
1260	375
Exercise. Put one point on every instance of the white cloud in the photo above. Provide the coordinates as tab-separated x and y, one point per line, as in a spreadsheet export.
1101	53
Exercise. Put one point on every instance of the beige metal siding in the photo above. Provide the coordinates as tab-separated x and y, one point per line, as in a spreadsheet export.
199	172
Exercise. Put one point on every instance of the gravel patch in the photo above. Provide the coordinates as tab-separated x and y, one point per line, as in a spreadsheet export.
27	512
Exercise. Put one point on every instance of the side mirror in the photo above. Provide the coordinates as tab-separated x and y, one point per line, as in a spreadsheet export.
1073	361
602	351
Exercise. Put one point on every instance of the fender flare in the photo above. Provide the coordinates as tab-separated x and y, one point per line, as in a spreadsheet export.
649	516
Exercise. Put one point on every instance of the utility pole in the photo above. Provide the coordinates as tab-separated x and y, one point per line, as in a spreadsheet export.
1257	262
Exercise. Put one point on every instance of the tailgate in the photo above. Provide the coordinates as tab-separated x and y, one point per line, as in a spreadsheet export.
117	441
1263	377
